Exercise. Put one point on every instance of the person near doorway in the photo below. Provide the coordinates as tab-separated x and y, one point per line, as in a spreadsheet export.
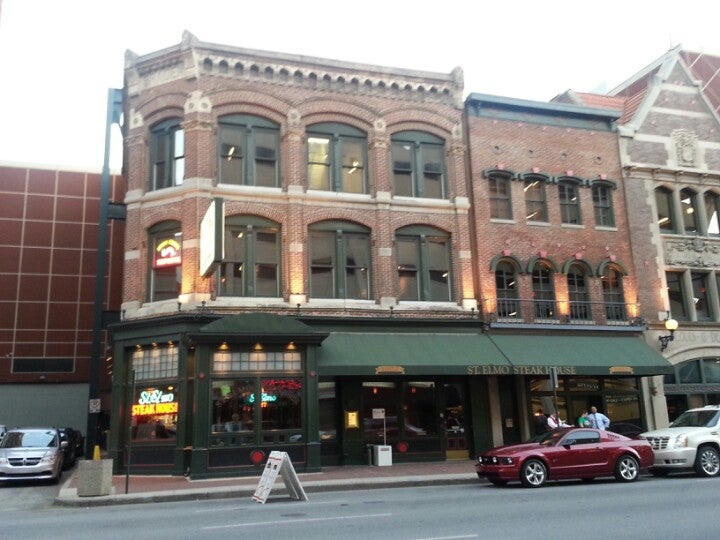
583	420
541	424
597	419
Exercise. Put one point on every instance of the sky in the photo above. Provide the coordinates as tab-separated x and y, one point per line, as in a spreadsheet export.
58	58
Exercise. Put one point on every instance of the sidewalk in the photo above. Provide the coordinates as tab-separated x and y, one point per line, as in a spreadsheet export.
145	489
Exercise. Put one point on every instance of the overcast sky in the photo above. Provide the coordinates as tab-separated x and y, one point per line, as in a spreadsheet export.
59	57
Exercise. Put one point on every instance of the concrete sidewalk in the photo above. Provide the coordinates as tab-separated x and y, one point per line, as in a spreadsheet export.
145	489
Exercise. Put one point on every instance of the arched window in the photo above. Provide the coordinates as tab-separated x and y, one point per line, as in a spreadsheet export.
665	212
423	263
613	296
543	291
251	266
418	165
336	158
507	291
580	308
689	207
165	276
248	151
167	155
339	260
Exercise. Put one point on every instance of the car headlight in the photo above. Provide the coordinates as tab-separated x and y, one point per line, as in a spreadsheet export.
49	458
681	441
3	460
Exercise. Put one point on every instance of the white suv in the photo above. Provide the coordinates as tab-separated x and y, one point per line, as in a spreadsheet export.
691	442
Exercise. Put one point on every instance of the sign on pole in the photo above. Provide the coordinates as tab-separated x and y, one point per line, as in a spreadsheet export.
279	463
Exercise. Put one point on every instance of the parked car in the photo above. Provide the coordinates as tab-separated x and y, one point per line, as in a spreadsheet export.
32	454
3	430
75	447
626	428
691	442
566	453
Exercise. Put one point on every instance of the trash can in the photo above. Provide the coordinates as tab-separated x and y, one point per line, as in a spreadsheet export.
382	455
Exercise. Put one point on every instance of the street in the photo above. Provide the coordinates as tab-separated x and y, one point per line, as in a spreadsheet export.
650	507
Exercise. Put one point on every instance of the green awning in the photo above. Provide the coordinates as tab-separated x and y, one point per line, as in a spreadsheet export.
408	354
581	355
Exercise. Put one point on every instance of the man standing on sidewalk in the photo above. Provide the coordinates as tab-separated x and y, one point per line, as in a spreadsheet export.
597	419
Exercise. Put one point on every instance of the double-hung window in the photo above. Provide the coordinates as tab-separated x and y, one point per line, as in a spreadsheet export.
248	151
543	291
507	290
252	258
535	197
423	263
603	204
336	158
167	155
579	294
418	165
613	295
339	261
569	195
165	276
689	207
499	194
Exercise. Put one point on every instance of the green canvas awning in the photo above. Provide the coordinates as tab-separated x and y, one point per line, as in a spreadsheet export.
581	355
408	354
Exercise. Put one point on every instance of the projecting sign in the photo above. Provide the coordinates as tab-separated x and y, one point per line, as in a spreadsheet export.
212	245
279	463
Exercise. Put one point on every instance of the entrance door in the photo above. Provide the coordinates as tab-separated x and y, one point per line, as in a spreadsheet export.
456	423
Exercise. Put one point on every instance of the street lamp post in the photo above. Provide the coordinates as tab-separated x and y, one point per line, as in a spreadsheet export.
670	325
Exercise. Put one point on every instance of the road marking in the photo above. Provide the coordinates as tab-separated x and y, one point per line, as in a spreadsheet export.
274	504
450	537
308	520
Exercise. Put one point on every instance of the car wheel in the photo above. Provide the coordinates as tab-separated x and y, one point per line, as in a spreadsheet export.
659	473
707	461
497	482
58	476
627	468
533	473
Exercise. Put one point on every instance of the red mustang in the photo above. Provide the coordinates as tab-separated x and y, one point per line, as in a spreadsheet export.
566	453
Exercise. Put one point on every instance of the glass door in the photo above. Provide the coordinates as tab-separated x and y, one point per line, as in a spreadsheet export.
456	424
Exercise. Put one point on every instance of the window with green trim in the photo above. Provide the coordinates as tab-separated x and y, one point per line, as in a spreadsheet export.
613	295
579	293
248	151
535	200
251	267
418	165
423	263
507	290
499	195
336	158
167	155
339	261
569	202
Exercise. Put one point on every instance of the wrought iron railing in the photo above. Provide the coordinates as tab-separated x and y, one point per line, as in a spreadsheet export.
532	311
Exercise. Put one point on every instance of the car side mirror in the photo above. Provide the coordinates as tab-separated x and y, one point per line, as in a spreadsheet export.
63	444
569	442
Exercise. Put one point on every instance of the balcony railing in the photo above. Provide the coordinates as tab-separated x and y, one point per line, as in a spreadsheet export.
524	311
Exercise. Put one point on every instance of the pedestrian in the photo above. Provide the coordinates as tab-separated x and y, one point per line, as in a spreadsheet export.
597	419
583	420
541	425
554	422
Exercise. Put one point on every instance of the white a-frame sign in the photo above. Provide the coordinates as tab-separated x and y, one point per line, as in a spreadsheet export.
279	463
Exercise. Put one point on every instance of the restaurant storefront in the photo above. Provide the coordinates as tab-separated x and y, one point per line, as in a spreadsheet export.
213	396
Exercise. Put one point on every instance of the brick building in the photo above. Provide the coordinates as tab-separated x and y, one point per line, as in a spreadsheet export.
48	250
304	269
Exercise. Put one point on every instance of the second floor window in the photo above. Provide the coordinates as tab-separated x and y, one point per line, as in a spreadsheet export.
665	213
339	261
603	205
336	158
423	262
499	195
248	151
569	202
167	155
418	165
252	258
543	291
535	202
613	296
165	276
579	294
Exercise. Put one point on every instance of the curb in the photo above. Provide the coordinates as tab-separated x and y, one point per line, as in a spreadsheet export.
68	496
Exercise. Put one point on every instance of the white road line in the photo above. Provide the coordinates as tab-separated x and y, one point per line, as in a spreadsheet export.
307	520
450	537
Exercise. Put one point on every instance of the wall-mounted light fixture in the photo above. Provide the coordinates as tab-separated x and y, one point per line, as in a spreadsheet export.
670	325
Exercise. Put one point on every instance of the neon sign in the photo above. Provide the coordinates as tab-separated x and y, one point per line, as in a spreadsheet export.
266	398
155	401
167	253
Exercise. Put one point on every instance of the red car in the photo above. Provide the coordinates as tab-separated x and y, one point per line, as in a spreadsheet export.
566	453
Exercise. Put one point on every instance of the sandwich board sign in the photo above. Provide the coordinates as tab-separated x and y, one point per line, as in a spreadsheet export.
279	463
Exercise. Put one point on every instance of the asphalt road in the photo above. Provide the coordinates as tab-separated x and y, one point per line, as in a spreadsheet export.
682	506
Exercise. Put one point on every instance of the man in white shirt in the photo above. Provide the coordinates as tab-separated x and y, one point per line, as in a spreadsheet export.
597	419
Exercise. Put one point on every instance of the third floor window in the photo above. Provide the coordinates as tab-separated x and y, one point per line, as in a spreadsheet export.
167	155
248	151
418	165
336	158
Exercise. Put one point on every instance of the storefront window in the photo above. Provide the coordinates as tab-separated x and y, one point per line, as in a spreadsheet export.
154	413
281	403
419	409
622	384
689	372
546	405
542	384
623	409
233	405
583	384
326	411
711	367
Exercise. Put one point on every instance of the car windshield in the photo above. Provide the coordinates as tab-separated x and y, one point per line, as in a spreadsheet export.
29	439
697	419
